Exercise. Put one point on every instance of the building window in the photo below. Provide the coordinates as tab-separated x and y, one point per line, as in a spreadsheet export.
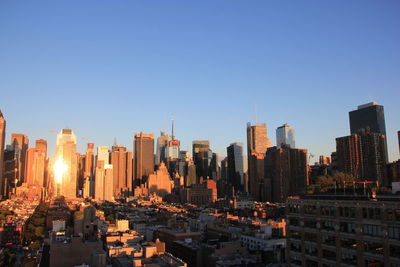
328	226
347	227
329	240
373	230
394	251
394	232
329	255
373	247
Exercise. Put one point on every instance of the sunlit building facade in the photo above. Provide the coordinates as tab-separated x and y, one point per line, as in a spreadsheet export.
66	150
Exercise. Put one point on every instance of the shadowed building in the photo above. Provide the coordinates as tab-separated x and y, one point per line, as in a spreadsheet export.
144	156
66	150
2	143
235	166
20	143
202	157
257	145
122	170
370	118
286	174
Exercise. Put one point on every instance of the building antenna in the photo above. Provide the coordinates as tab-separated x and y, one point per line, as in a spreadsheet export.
165	126
115	141
172	118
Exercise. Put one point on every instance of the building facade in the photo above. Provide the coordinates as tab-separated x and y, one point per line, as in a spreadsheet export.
343	231
143	156
285	136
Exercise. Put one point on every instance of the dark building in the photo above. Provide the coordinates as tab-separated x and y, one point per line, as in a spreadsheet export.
286	173
202	157
144	156
369	116
235	166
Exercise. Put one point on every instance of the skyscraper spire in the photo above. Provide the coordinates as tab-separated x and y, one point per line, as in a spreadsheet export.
172	137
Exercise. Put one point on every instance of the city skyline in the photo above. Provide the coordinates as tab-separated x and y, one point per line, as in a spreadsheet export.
307	65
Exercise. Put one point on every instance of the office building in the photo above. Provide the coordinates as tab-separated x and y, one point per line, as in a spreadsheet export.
36	164
285	136
369	118
286	174
257	145
122	171
172	152
2	144
235	166
20	143
162	142
66	151
202	157
337	230
143	156
89	174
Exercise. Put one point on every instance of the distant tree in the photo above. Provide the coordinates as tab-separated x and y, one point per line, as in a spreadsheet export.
326	183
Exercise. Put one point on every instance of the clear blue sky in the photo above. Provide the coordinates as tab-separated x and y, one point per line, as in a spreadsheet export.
111	68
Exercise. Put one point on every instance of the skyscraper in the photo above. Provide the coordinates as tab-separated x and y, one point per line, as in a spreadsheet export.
89	182
202	157
66	151
286	174
20	143
122	170
285	136
369	118
363	156
36	164
162	142
41	144
144	156
235	166
173	145
2	141
257	145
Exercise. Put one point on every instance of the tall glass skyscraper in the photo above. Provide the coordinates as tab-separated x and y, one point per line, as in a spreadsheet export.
285	136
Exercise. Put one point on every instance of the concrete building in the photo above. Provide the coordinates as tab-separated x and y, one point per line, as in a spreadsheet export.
160	181
257	145
285	136
332	230
122	171
20	142
66	151
363	156
286	174
143	156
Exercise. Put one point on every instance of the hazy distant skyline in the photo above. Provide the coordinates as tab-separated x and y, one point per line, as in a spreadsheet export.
110	69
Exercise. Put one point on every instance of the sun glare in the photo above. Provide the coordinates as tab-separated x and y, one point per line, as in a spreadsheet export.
59	169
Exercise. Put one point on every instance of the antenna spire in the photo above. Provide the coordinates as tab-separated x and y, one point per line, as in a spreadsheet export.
256	113
172	118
